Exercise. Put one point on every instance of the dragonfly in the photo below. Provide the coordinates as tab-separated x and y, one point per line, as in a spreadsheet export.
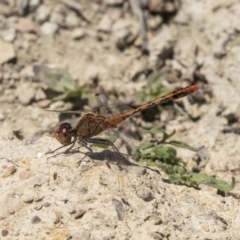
90	125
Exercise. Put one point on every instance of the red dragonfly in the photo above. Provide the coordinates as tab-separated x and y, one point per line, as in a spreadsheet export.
90	125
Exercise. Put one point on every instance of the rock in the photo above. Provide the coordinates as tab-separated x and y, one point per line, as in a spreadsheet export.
23	175
35	219
33	4
113	2
25	93
72	20
27	199
27	72
25	25
4	232
49	28
105	24
124	32
118	205
8	35
46	204
7	52
78	33
40	95
2	116
82	234
154	22
56	105
44	103
57	18
10	170
145	194
43	13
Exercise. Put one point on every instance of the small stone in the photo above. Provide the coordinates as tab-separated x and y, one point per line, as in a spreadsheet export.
7	52
140	171
56	105
2	117
25	93
82	234
46	204
44	103
114	2
8	35
39	180
27	72
72	20
80	214
40	94
57	18
33	4
15	76
35	220
9	171
49	28
78	33
25	175
119	209
38	198
145	194
11	210
27	199
82	190
25	25
105	24
4	232
38	207
120	30
43	13
157	236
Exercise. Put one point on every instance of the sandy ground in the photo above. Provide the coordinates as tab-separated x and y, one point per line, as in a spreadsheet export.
88	200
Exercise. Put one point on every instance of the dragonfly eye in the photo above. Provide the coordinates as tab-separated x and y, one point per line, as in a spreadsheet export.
63	134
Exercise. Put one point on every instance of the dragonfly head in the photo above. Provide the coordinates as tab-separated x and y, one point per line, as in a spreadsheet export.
63	134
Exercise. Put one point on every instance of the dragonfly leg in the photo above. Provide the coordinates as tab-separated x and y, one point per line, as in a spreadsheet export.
107	143
65	152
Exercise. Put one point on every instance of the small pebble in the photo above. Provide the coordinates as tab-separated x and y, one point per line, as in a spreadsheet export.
82	190
78	33
29	93
72	20
46	204
80	214
9	171
38	207
11	210
4	232
33	4
26	25
119	209
25	175
49	28
8	35
140	171
57	18
42	14
7	52
27	199
145	194
35	220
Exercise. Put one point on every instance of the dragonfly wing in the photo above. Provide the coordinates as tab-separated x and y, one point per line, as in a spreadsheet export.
110	106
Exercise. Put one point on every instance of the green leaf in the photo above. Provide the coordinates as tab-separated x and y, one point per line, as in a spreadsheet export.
58	80
183	145
166	135
202	178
